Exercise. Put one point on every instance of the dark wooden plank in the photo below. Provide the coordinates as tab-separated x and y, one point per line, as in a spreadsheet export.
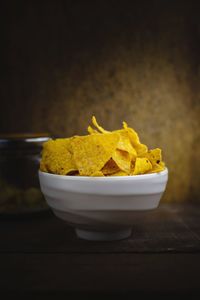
170	228
167	273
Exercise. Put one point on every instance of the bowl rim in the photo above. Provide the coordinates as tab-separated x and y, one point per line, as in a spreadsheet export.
106	178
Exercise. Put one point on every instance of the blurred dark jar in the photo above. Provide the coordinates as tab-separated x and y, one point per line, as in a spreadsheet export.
19	164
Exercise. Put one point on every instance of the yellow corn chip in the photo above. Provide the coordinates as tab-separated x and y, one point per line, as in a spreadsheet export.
94	122
97	174
122	159
92	152
134	139
124	143
101	153
110	167
134	136
91	130
157	167
120	173
57	157
154	155
142	165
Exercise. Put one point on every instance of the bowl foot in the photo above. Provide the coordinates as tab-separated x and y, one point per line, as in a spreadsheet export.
103	236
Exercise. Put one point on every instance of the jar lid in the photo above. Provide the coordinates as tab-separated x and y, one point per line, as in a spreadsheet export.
19	141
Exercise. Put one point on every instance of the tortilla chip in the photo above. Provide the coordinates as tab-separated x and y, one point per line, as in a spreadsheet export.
154	155
122	159
98	174
157	167
120	173
124	143
91	130
134	136
101	153
110	167
43	167
142	165
134	139
94	122
57	157
92	152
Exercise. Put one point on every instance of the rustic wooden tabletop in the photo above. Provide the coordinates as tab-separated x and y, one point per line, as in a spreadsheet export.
40	255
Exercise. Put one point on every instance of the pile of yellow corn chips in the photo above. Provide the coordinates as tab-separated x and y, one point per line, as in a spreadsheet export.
101	153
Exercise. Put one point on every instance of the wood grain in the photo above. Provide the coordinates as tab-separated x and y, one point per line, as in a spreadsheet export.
41	257
100	272
171	228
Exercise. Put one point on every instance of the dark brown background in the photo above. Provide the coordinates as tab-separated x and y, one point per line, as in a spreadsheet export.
137	61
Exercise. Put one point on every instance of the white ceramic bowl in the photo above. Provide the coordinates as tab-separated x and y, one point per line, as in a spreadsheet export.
102	208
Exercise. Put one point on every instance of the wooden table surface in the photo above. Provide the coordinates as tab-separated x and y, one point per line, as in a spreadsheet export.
40	255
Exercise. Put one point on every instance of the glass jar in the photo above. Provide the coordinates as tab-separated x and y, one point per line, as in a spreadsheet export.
19	164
